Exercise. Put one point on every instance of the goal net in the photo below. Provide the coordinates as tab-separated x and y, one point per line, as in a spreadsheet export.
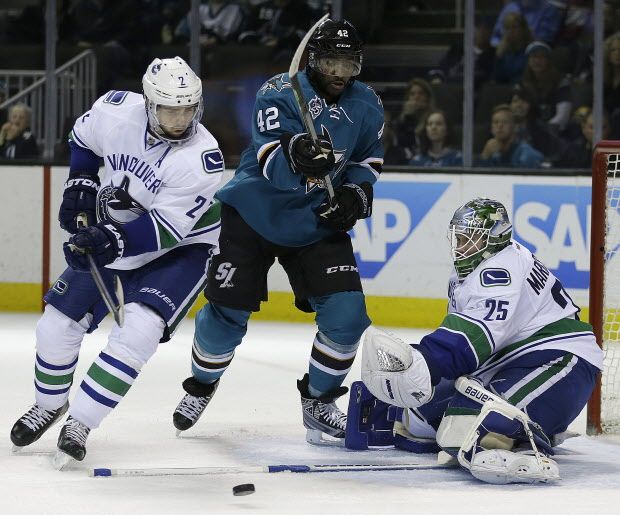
604	406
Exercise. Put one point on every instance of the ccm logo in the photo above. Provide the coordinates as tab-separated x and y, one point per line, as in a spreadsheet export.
340	268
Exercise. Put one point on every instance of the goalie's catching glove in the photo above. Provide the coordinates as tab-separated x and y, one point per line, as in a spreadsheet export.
80	196
104	242
352	202
304	158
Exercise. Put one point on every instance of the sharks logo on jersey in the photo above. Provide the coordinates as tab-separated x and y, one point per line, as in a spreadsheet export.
115	204
276	83
339	162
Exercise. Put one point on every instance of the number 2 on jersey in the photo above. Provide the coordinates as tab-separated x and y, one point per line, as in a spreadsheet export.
269	120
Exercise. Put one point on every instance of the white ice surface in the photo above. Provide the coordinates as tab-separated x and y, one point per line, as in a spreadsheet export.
255	419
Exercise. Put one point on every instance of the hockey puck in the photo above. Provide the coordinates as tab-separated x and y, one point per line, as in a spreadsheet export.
245	489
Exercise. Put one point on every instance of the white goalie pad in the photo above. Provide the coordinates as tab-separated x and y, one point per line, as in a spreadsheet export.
500	467
496	465
395	372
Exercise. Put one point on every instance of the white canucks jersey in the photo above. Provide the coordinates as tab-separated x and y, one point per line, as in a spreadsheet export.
175	185
511	305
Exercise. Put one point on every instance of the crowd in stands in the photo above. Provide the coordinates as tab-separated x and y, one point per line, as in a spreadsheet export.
533	91
532	83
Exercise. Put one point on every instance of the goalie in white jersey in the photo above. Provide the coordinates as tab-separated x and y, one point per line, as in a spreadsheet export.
512	336
152	221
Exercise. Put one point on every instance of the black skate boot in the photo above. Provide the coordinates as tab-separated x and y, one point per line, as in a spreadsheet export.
193	403
71	443
31	426
321	415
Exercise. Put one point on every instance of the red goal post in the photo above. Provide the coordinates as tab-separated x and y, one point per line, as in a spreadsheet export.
604	405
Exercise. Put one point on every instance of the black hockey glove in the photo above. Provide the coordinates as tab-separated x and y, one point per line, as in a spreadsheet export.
353	202
80	196
105	242
304	158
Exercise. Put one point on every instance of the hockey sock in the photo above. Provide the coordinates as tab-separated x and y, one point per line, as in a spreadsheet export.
106	383
329	364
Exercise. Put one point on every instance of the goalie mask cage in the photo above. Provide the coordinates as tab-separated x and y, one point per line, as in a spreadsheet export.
604	405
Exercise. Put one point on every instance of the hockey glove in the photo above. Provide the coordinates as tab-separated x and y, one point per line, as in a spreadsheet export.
352	202
104	242
304	158
80	196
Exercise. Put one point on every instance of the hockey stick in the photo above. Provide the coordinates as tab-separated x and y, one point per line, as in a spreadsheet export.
306	117
117	310
268	469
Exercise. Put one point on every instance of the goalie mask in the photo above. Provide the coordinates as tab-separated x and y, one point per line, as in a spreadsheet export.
173	100
478	230
335	49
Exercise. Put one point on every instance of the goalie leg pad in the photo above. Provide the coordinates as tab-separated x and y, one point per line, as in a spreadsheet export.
370	422
395	372
486	438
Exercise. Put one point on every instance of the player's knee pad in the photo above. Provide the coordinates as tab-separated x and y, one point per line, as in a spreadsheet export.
137	340
342	316
219	329
395	372
58	336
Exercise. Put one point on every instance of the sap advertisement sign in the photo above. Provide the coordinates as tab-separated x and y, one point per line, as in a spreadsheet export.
398	208
402	250
554	223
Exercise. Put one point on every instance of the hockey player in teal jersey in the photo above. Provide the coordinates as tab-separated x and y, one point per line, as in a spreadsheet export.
276	206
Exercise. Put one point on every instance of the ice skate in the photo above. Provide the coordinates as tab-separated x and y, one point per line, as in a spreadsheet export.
324	421
33	424
193	404
71	443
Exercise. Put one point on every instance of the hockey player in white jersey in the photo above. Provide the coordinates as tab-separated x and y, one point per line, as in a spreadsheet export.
152	221
509	368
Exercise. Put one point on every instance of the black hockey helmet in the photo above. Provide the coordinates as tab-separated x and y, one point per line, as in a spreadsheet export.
335	48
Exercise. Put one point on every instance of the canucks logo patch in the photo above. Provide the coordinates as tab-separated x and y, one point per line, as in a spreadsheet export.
495	277
213	161
115	204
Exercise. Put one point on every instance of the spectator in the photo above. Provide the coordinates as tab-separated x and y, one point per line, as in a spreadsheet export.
504	149
452	64
549	88
221	20
280	24
419	100
435	140
579	153
611	81
542	16
16	139
393	153
4	93
530	128
510	58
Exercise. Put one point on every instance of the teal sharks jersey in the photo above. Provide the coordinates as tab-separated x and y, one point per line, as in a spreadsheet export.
279	204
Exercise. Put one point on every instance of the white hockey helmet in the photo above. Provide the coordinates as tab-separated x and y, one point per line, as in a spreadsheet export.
173	99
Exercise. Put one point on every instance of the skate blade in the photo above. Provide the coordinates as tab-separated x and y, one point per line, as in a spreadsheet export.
178	433
61	460
317	437
16	450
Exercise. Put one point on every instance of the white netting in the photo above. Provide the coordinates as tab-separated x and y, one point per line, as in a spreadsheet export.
610	381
